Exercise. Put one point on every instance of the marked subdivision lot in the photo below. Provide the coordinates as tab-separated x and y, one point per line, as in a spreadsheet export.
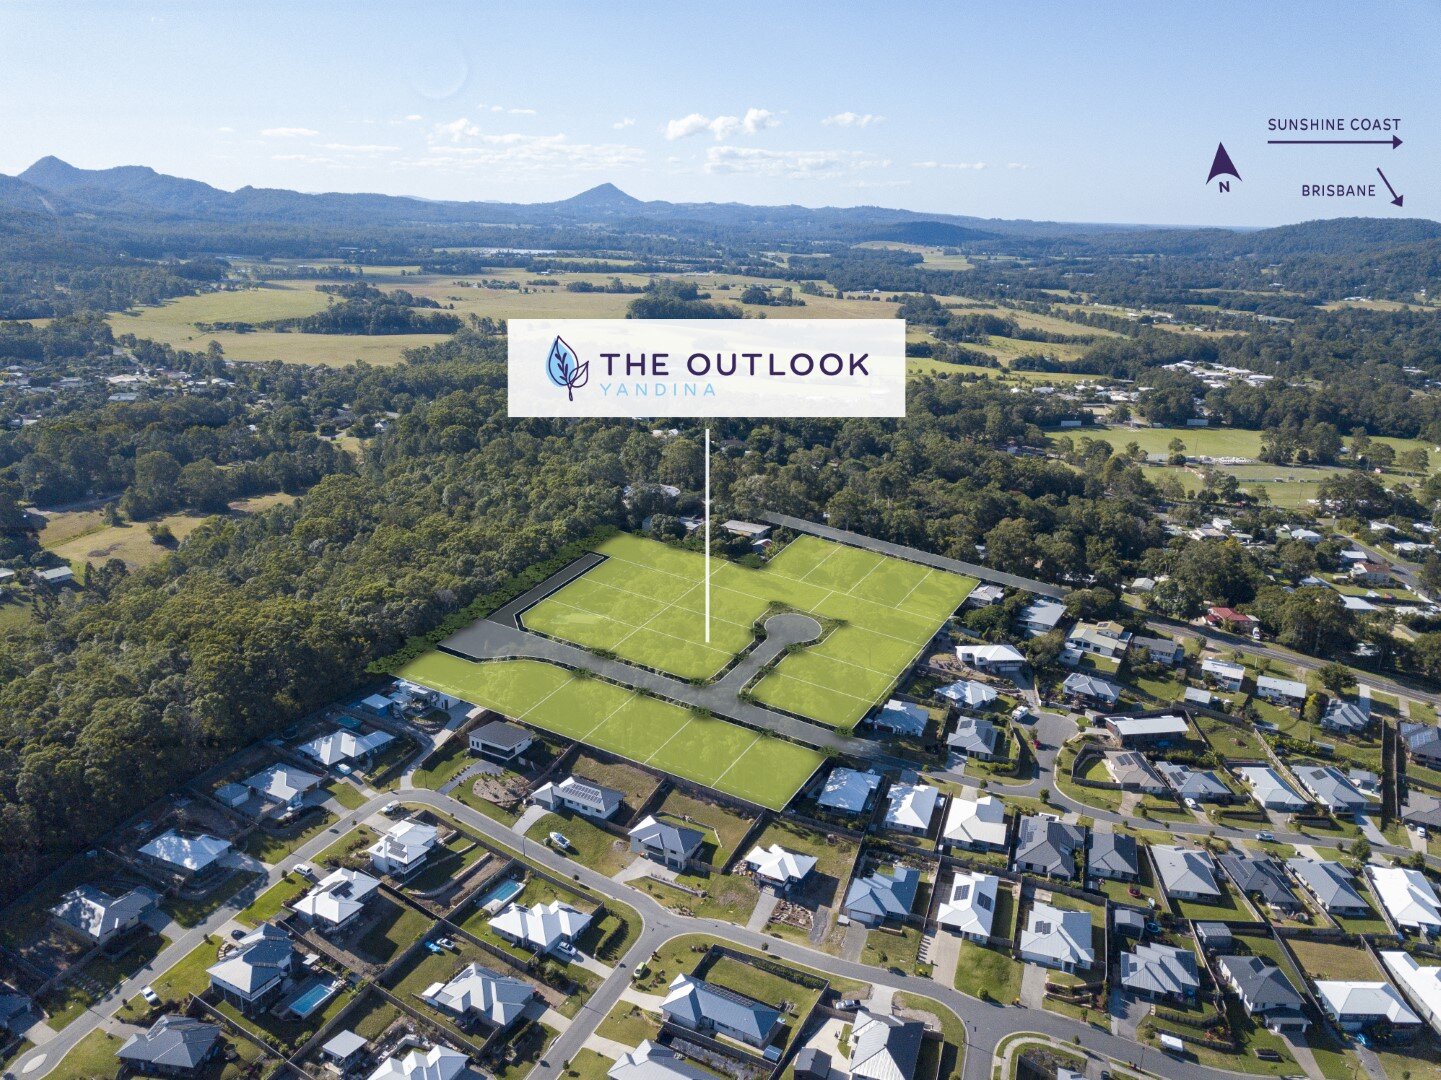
645	605
716	753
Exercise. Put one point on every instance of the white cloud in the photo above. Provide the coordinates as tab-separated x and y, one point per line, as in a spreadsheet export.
289	133
624	122
975	166
521	112
502	109
811	163
456	130
224	130
521	152
1016	165
722	127
414	118
850	119
360	148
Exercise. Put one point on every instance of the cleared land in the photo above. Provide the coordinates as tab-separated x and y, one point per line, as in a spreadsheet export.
646	605
740	762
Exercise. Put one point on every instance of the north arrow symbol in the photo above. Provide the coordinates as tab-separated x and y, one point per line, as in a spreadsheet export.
1396	200
1393	142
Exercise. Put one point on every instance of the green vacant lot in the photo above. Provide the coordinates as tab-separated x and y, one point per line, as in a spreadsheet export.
646	605
721	755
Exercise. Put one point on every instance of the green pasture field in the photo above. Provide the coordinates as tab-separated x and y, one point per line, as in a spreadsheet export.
1223	442
721	755
646	605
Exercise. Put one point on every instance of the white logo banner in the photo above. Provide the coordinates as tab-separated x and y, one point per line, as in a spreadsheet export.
707	367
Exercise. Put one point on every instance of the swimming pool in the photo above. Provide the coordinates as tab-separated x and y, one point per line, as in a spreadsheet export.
498	896
313	998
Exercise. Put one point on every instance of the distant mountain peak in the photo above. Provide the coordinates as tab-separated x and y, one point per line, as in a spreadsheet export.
606	194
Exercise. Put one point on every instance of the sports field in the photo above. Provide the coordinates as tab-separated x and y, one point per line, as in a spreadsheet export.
725	756
646	605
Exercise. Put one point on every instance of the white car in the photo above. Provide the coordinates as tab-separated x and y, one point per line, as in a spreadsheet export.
560	841
1192	803
150	996
305	870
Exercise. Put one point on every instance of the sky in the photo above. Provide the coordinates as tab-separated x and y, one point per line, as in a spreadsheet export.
1062	111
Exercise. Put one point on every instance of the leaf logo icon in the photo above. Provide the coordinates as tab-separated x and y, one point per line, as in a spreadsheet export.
564	368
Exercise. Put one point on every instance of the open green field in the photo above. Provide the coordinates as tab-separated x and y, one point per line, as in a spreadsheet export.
740	762
646	605
1223	442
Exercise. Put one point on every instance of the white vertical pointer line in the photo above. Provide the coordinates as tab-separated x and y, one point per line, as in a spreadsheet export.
707	535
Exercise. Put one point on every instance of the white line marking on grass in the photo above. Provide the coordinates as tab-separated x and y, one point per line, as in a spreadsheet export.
829	556
778	674
543	700
880	561
662	746
921	581
626	701
716	782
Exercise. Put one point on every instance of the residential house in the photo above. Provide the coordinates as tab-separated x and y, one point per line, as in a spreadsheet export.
1041	616
782	870
437	1063
978	824
1265	993
1331	884
341	747
500	742
1058	939
253	971
337	899
96	917
1108	640
1114	856
378	705
1359	1006
651	1062
985	596
1408	898
1227	618
849	791
1128	921
1422	811
1281	691
700	1006
901	718
1371	572
998	659
193	857
1270	790
751	530
1214	937
974	737
542	928
910	807
1332	789
1344	717
1423	742
56	576
1088	691
1047	846
666	843
1156	650
968	693
342	1051
882	896
1185	873
172	1046
1262	877
1421	984
402	851
1160	972
1137	732
885	1048
477	992
968	906
1202	785
1223	674
282	788
1133	772
1195	695
580	796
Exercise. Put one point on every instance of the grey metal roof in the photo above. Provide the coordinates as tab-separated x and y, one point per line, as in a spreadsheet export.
1189	783
1049	844
885	1048
1260	874
176	1042
1263	986
1329	784
883	895
1185	870
974	735
1423	740
499	733
694	1002
1116	852
677	840
1330	883
1160	969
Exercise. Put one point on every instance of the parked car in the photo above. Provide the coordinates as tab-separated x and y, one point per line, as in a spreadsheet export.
150	996
305	870
560	841
1266	838
1192	804
390	809
1134	891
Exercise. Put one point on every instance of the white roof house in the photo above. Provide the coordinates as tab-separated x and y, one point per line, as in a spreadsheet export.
969	906
437	1063
911	806
282	783
541	927
779	866
189	853
1270	790
1421	983
1224	672
1288	689
1042	616
403	847
1355	1005
902	717
977	822
651	1062
498	999
968	692
999	657
337	897
1057	938
1187	873
848	790
341	746
1408	898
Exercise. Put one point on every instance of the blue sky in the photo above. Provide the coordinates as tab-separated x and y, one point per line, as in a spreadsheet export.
1086	112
